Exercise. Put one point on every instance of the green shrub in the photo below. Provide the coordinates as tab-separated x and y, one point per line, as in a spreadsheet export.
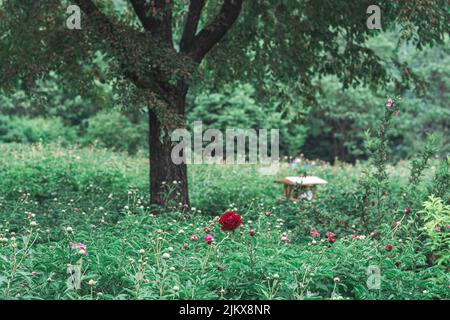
111	129
33	130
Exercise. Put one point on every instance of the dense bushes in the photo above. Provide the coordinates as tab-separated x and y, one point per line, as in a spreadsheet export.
115	131
33	130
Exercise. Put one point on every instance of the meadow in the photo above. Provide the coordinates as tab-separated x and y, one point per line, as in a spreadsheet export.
75	224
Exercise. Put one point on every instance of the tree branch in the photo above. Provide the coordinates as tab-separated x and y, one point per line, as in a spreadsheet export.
142	10
190	28
205	40
90	9
156	17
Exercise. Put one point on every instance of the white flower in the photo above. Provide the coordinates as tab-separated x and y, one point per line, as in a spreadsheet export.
142	251
337	280
166	256
170	248
92	282
69	229
33	224
176	288
276	276
172	268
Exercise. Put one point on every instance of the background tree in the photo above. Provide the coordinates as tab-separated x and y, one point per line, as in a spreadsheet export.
154	50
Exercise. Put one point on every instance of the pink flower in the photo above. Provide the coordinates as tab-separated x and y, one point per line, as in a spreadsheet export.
185	245
407	210
78	246
285	238
209	239
314	233
355	236
373	233
438	229
390	103
194	237
252	232
389	247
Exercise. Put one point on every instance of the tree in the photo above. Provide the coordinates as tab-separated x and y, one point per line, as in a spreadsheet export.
155	49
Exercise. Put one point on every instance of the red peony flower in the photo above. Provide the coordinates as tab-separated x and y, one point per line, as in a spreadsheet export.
407	210
230	221
252	232
220	268
389	247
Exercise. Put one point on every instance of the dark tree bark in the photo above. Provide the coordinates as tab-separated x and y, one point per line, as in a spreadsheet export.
163	172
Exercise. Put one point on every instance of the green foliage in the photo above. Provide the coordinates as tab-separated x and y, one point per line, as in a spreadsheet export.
236	107
113	130
436	217
32	130
339	119
441	185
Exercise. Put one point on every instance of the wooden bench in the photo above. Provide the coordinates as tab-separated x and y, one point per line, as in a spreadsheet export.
300	187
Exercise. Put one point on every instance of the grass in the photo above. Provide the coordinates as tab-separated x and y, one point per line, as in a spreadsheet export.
51	197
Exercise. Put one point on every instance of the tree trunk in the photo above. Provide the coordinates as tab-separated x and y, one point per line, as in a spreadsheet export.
168	181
